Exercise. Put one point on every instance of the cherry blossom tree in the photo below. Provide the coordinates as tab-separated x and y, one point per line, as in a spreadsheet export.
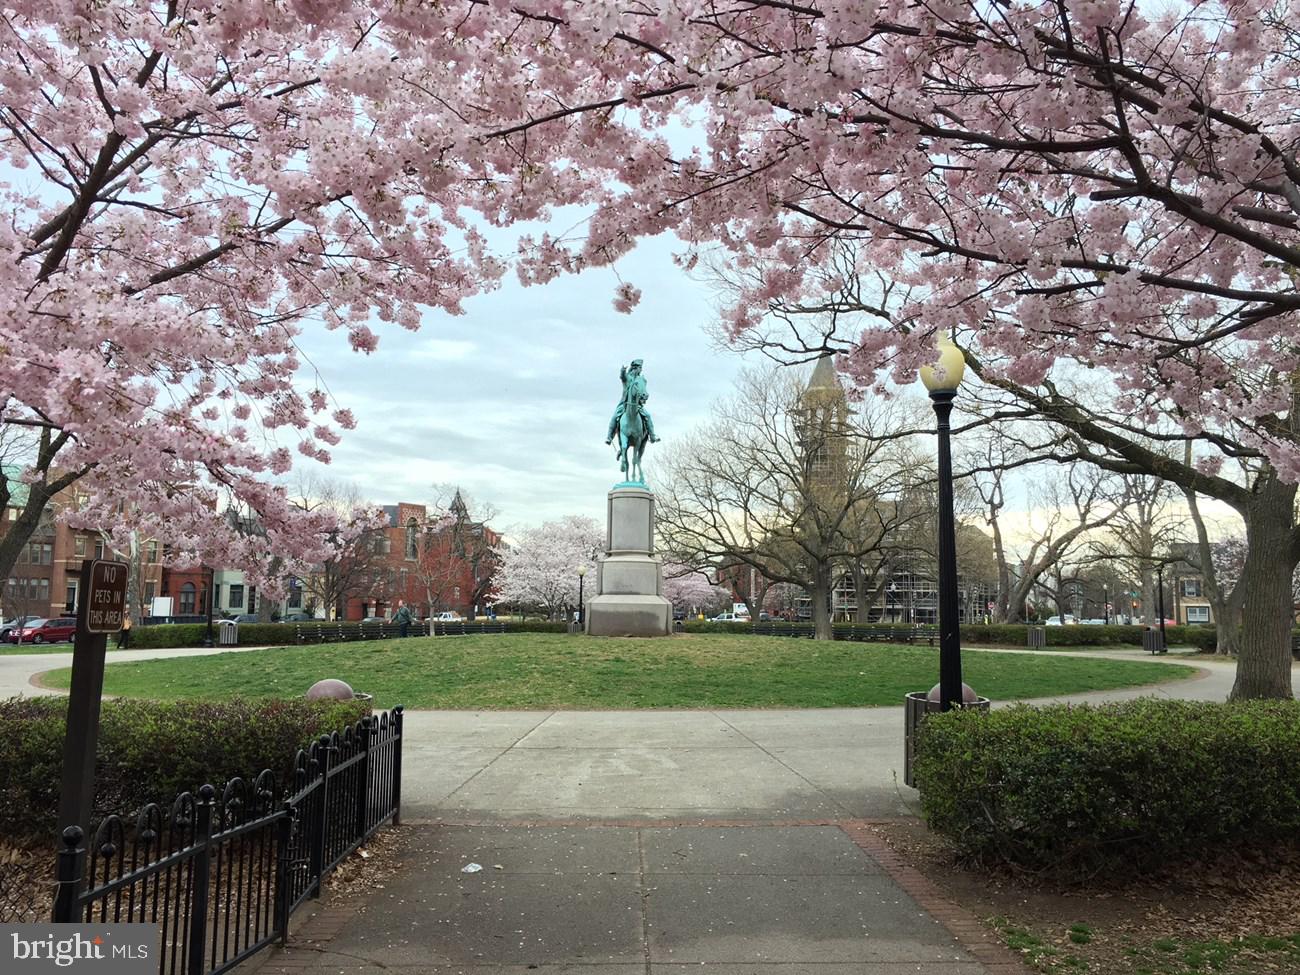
1053	185
690	589
540	567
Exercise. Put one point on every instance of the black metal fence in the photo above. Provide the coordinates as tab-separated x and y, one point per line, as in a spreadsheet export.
861	632
221	875
341	632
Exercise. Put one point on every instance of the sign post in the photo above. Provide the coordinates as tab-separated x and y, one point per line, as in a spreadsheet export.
102	595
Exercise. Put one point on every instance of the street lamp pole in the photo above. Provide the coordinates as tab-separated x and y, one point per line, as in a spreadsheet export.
582	609
208	641
942	380
1105	603
1160	604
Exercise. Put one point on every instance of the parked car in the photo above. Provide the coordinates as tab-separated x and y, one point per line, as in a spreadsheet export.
244	618
729	618
47	631
297	618
1094	622
1066	620
450	616
7	628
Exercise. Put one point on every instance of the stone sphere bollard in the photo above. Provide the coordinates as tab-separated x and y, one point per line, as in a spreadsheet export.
968	696
330	689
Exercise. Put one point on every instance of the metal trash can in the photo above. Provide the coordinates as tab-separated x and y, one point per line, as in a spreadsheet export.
1037	636
1151	641
915	707
227	633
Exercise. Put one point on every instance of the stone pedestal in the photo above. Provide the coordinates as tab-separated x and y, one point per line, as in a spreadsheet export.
629	598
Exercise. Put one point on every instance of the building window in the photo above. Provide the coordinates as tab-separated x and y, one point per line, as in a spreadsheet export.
40	553
70	600
295	594
236	600
187	599
1198	614
412	540
99	548
79	546
151	553
44	593
150	591
1192	587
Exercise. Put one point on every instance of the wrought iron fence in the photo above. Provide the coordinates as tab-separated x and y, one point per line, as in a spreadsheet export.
343	631
221	875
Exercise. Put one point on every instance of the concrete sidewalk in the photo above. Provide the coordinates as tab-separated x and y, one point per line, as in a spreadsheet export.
600	900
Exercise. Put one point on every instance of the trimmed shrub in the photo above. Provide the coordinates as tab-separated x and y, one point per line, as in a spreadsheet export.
151	751
537	626
1077	791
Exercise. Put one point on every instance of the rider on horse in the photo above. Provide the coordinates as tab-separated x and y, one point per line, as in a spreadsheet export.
634	384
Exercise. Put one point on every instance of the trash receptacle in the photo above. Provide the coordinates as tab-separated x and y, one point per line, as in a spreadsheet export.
1037	636
1151	640
227	633
915	707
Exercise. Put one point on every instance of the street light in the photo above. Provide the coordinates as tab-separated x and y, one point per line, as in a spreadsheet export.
207	639
1105	602
582	571
942	379
1160	604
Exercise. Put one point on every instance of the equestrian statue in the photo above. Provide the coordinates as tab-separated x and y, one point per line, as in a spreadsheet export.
631	421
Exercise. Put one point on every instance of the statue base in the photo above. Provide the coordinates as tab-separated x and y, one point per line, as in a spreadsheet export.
629	598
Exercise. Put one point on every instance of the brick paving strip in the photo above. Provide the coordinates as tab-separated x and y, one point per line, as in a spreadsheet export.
694	903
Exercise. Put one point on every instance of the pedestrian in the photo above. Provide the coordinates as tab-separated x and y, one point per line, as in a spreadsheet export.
124	634
402	618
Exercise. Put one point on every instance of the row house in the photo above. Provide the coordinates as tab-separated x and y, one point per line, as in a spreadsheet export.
45	579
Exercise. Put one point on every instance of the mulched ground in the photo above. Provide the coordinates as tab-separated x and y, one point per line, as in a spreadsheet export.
1236	915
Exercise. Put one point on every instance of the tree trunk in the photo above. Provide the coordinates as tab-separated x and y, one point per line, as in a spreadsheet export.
1264	656
821	616
863	613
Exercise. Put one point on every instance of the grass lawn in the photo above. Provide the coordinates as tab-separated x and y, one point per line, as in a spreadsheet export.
545	671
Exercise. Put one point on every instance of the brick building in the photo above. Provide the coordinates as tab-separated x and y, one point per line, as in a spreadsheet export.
432	564
44	580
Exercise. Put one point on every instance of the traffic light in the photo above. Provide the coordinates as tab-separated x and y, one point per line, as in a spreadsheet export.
1135	604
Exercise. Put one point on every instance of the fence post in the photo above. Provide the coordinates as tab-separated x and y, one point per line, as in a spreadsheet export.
397	765
322	822
283	839
363	792
197	939
72	861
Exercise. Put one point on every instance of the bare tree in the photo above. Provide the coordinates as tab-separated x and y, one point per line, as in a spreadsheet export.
782	479
358	544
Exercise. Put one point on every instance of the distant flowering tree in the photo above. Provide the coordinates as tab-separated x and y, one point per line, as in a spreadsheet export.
540	566
690	590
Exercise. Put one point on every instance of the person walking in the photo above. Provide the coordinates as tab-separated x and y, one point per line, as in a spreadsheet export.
124	634
402	618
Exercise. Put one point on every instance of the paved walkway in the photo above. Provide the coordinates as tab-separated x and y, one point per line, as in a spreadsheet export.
623	842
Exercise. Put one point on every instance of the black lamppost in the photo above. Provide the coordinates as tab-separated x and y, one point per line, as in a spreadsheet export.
208	641
582	610
942	380
1105	603
1160	604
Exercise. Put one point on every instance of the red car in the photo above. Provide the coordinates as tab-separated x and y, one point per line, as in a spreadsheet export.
46	631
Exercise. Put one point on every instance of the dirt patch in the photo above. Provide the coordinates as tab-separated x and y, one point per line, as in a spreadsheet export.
1234	915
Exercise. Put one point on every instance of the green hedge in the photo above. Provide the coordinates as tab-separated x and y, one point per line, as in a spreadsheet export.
151	751
1010	634
1078	791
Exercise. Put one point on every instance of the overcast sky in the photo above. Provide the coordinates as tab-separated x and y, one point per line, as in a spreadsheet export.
511	400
